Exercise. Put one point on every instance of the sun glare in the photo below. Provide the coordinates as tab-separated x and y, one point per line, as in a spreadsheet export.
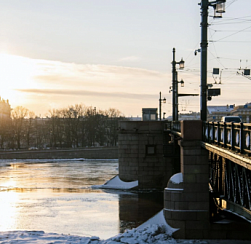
16	73
8	210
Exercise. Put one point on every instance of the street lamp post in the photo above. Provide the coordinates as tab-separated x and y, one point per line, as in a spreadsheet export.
160	101
219	7
175	85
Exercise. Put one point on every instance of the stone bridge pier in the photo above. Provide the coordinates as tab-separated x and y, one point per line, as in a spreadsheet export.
186	197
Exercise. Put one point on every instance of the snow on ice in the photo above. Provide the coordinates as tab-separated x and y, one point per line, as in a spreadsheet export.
117	184
155	231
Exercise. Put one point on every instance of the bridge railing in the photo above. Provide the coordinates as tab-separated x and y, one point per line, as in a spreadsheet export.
173	125
234	136
176	126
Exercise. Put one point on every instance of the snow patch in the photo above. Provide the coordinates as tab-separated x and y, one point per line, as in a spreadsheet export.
154	234
154	231
117	183
177	178
158	219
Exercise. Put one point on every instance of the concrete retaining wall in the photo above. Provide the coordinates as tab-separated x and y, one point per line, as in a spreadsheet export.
89	153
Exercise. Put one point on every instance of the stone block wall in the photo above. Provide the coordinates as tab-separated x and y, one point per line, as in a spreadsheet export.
186	202
141	154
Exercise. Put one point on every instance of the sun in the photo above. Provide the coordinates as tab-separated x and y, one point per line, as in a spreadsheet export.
15	73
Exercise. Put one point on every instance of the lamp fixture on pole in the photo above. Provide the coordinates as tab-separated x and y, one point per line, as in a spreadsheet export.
182	83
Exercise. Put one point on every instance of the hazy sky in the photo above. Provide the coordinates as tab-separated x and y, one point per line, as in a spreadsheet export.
118	53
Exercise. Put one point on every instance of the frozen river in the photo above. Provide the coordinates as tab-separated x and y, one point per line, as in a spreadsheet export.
57	196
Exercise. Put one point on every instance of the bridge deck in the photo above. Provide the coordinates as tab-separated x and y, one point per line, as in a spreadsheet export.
242	160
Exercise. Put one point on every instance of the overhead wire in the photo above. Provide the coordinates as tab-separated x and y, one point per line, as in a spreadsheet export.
243	19
231	72
232	34
211	29
229	4
214	53
229	20
213	43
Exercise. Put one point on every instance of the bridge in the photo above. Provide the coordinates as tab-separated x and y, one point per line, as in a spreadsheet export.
205	173
215	154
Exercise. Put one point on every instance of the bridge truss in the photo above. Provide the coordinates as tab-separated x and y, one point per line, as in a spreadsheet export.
229	146
231	185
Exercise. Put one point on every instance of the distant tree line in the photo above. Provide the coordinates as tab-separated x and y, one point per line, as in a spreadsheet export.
72	127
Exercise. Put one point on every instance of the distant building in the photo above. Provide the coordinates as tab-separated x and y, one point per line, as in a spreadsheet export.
216	112
134	118
189	116
149	114
5	109
186	116
243	111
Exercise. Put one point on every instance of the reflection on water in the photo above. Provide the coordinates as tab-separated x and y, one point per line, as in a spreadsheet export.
136	209
57	197
8	210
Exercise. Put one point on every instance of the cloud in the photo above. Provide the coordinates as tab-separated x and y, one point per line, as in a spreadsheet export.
130	59
106	78
92	71
43	83
88	93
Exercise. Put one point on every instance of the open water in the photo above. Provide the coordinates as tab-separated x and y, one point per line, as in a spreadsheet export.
58	197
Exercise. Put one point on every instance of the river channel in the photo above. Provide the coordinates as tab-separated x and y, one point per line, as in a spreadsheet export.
59	197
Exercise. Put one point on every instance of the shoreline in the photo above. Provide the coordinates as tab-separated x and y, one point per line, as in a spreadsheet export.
70	153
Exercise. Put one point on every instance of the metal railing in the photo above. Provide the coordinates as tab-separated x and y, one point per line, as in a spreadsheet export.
234	136
176	126
173	125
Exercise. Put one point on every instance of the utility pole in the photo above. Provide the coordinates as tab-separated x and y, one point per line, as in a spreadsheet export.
160	106
219	8
175	82
174	85
203	68
160	101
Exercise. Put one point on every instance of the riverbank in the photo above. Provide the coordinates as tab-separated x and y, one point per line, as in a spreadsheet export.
87	153
151	234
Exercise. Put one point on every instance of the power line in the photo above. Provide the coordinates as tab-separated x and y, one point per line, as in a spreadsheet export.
229	58
217	60
233	34
227	30
230	41
229	4
230	21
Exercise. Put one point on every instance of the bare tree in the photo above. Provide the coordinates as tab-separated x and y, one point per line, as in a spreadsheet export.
56	127
5	133
113	116
29	127
74	126
18	114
